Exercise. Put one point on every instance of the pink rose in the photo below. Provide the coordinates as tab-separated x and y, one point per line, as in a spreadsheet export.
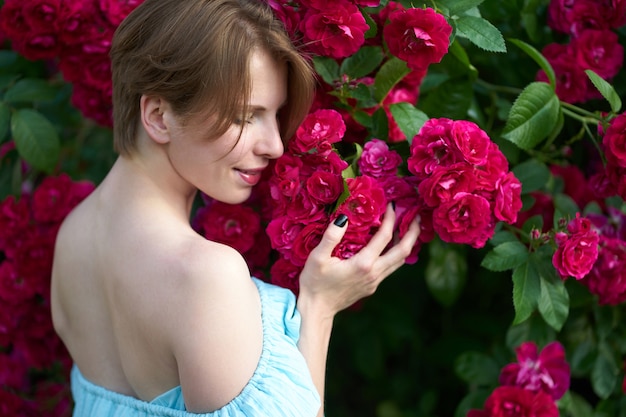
324	187
446	182
378	161
508	198
337	30
432	147
285	274
308	238
607	278
55	197
614	141
506	401
418	36
365	205
572	84
472	142
116	10
318	130
233	225
599	51
577	250
282	231
547	371
466	218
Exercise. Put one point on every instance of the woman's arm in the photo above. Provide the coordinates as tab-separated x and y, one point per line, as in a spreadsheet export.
329	285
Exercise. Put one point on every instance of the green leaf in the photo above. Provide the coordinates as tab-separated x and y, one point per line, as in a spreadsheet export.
373	30
476	368
481	33
446	273
538	58
7	58
5	119
451	99
606	89
380	124
327	68
363	62
533	175
553	302
507	255
575	405
390	74
457	7
533	116
526	292
35	139
409	119
30	89
566	205
604	372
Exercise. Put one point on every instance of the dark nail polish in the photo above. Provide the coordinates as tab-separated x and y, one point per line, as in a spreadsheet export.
393	205
341	220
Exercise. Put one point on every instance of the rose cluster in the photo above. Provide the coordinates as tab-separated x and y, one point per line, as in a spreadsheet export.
464	181
28	228
78	34
238	226
577	249
593	44
530	386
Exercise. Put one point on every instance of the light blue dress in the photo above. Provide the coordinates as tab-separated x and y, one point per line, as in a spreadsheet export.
280	386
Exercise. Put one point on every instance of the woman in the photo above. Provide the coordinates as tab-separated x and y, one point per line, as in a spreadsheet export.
158	320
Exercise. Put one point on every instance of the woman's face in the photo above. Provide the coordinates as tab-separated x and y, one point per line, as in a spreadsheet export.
224	168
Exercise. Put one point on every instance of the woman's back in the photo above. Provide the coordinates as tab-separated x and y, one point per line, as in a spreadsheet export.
139	298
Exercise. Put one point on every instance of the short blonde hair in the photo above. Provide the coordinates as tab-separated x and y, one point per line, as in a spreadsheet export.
195	55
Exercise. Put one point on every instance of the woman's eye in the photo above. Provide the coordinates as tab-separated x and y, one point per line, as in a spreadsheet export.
247	120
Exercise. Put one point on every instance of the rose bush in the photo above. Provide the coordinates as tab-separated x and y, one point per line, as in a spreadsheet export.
499	124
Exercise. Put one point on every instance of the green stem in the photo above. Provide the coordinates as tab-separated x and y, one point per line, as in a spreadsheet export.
498	88
575	109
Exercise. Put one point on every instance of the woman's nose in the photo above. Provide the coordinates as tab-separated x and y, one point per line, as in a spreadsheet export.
271	144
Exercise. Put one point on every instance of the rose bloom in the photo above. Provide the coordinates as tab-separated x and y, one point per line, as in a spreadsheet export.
93	103
471	141
14	219
432	147
378	161
324	187
571	17
418	36
116	10
547	371
55	197
285	11
466	218
509	401
317	131
577	250
365	205
607	278
233	225
285	274
337	30
308	238
572	84
614	141
508	198
599	51
447	182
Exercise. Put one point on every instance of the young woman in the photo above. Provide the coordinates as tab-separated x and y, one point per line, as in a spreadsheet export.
158	320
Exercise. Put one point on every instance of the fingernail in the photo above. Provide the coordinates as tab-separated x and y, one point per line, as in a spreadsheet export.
393	205
341	220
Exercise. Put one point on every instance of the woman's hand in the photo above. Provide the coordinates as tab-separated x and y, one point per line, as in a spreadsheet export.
331	284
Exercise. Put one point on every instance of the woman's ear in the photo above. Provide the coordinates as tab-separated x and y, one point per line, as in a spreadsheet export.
153	118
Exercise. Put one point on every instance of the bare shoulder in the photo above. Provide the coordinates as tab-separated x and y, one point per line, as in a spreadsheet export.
215	327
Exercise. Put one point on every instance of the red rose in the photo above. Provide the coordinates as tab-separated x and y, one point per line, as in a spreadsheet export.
116	10
285	11
607	278
572	84
14	219
308	238
285	274
614	141
445	182
233	225
517	402
95	104
466	218
365	205
577	251
317	131
546	371
282	231
418	36
337	30
508	198
432	147
472	142
378	161
324	187
80	22
599	51
55	197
